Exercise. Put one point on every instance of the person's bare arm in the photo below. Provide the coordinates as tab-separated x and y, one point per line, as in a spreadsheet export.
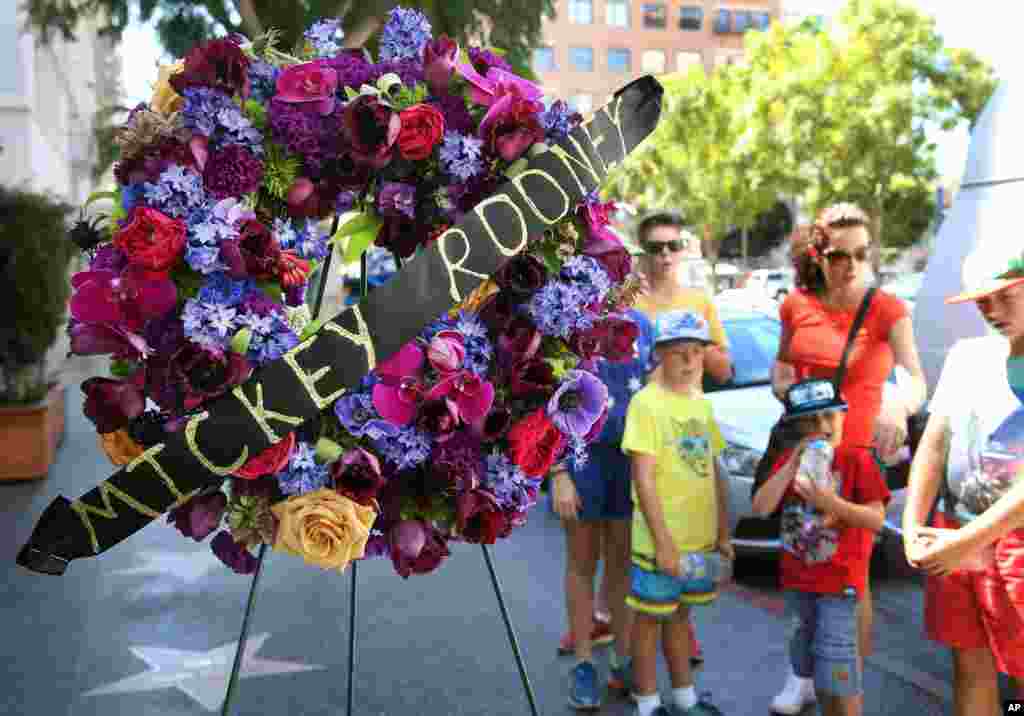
769	495
904	349
718	363
724	543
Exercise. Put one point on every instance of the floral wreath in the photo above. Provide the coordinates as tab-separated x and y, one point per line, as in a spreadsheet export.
201	275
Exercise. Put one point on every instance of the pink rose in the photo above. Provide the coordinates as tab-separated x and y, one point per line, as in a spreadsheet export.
310	83
446	351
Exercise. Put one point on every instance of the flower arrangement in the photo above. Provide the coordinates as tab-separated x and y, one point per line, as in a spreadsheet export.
201	276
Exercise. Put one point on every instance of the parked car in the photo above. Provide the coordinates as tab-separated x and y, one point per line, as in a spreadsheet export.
774	283
746	410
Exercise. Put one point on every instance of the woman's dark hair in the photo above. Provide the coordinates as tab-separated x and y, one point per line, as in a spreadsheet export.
808	241
652	222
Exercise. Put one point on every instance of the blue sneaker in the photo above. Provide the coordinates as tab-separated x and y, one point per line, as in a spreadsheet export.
583	694
620	679
704	707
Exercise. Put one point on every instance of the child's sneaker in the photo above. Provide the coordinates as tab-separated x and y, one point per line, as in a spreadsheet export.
620	679
795	696
601	636
583	695
703	707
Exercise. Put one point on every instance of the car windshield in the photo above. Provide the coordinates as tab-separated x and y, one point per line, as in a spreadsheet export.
753	345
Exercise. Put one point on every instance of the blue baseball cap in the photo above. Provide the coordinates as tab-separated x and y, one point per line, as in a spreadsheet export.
681	326
818	395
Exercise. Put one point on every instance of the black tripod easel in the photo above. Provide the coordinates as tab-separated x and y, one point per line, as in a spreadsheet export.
237	665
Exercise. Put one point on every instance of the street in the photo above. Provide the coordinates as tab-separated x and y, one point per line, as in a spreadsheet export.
149	627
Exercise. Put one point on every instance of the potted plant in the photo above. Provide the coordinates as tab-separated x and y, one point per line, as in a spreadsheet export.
34	258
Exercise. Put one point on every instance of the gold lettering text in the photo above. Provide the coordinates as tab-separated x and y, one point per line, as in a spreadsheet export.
517	181
309	380
362	338
524	232
191	428
261	415
452	267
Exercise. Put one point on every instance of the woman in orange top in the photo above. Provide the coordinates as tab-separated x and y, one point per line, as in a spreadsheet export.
831	260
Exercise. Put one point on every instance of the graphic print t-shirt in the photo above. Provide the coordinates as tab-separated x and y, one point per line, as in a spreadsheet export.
828	560
682	435
986	422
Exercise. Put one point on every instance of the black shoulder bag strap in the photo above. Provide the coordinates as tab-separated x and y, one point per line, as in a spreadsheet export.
858	321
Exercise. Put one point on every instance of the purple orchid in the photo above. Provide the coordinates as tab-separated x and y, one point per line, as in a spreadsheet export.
487	89
398	394
471	394
578	403
128	300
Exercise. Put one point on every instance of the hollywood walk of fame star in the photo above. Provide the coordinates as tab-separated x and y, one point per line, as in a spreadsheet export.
203	675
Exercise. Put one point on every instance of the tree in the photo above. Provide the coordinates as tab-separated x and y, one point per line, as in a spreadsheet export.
845	113
181	24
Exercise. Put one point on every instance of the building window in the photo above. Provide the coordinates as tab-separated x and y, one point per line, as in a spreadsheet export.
581	12
762	20
654	16
582	103
652	62
581	59
617	12
744	21
691	18
685	59
544	59
723	21
619	59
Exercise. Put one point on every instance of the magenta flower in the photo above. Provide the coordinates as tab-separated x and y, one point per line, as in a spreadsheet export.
439	63
200	516
112	404
92	339
472	395
486	89
578	403
518	342
511	126
398	394
446	351
440	418
371	128
128	300
357	475
311	83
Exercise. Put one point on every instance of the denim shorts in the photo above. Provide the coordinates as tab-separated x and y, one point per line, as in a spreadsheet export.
823	641
603	485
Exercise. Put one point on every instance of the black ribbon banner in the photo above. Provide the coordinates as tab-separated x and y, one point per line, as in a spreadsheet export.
282	395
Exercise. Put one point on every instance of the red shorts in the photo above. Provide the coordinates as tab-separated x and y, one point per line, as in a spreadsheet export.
976	610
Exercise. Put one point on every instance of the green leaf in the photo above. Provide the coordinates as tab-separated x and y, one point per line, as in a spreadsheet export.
361	230
122	368
114	196
241	340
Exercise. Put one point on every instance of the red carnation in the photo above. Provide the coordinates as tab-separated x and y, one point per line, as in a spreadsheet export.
535	443
220	64
422	129
151	240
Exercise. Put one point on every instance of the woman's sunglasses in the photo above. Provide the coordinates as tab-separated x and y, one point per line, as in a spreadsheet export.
656	247
839	256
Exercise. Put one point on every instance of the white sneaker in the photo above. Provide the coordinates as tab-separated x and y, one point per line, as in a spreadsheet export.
795	696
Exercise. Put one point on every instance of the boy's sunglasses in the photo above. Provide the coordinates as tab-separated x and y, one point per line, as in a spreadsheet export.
656	247
837	256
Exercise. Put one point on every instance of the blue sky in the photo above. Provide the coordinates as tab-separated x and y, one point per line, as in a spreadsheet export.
980	25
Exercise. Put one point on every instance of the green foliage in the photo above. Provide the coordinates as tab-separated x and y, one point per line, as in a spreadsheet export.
405	97
34	289
280	170
513	25
819	115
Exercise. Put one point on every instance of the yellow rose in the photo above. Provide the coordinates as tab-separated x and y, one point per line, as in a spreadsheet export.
165	100
119	447
324	528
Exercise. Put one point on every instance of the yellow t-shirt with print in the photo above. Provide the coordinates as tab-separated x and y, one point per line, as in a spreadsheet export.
691	299
681	433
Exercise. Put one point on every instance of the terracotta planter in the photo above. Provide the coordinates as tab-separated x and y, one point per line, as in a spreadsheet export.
30	436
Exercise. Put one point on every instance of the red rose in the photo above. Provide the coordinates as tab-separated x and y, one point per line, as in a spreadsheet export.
152	241
270	461
422	129
535	443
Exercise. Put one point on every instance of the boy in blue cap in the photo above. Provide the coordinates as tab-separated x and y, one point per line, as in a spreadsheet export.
673	441
828	527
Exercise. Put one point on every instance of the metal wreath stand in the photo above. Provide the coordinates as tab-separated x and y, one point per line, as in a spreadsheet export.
244	635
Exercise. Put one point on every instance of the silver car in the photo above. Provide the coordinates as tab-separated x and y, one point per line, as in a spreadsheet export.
746	410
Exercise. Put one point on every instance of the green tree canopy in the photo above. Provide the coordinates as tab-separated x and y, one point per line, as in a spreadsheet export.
513	25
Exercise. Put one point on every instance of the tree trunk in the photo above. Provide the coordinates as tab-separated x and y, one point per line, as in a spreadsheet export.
250	19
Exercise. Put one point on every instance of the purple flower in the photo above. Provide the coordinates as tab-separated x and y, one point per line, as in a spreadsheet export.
212	114
109	258
404	35
396	198
587	275
358	417
263	78
416	547
126	300
405	449
483	60
439	63
460	155
90	339
511	125
220	288
200	516
457	465
578	403
371	128
324	36
234	555
357	476
456	114
559	308
303	474
558	120
352	67
511	487
112	404
178	192
232	172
